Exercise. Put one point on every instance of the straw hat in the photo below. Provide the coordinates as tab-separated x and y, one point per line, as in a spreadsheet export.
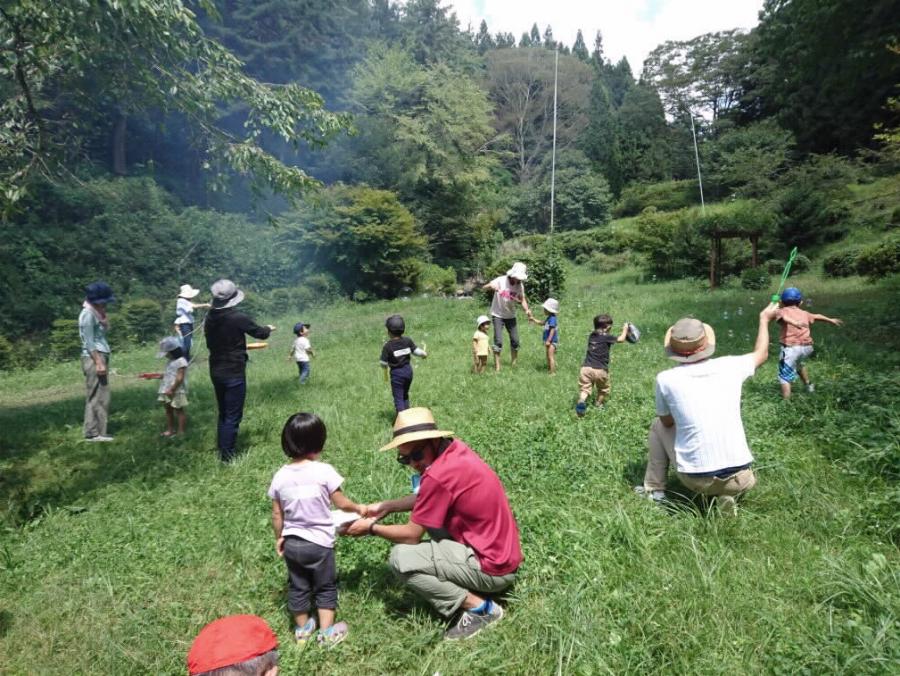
187	291
414	424
225	294
518	271
551	305
689	340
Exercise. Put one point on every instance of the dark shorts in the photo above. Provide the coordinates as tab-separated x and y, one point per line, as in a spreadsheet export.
311	575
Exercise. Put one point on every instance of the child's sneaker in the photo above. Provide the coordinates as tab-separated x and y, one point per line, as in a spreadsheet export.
580	408
810	388
599	405
304	633
727	505
333	635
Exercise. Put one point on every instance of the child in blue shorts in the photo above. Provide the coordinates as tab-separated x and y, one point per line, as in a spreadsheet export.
551	331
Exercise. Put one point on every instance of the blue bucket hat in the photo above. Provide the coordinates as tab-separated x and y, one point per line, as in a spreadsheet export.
99	293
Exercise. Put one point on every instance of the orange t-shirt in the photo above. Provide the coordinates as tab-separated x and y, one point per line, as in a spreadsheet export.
791	335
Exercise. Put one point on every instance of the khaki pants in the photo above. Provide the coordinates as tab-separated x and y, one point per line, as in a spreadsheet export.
443	572
96	400
661	453
588	378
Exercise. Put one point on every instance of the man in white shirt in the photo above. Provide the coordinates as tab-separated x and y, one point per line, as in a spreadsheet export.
698	404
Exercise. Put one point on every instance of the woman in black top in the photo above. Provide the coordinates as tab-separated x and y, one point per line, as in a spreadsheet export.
226	329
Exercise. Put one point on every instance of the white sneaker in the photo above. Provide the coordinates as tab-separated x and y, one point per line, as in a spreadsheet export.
727	505
99	437
656	496
810	388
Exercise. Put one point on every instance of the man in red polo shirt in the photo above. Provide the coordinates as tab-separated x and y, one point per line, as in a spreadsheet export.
474	549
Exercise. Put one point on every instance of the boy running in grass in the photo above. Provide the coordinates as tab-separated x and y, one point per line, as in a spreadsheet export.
396	355
796	340
480	344
173	388
551	331
595	369
301	350
302	493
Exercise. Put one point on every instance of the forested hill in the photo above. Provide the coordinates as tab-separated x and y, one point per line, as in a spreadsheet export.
130	128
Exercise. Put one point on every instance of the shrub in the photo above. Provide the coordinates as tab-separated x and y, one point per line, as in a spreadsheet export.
546	272
435	279
755	278
801	264
601	262
142	320
880	260
666	196
6	354
842	263
65	343
365	237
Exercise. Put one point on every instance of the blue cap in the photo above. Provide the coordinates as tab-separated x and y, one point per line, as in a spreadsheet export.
298	327
99	293
791	295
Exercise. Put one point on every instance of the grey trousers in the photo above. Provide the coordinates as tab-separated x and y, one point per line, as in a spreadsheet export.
498	323
96	399
443	572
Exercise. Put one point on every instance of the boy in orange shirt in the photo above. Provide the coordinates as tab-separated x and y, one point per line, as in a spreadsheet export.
796	340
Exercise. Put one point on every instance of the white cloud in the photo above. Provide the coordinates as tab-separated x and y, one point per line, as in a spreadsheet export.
630	28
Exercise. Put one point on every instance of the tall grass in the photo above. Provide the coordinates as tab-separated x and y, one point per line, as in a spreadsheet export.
115	555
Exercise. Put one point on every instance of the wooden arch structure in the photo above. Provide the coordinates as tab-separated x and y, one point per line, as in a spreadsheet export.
715	251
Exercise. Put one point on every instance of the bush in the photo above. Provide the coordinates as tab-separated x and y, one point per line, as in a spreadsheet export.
142	320
65	343
801	264
880	260
366	238
755	278
842	263
437	280
601	262
666	196
546	273
6	354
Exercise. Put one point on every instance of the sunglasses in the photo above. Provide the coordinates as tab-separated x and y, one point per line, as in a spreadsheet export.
413	456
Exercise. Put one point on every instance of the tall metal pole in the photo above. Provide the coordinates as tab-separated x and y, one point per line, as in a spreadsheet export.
697	158
553	160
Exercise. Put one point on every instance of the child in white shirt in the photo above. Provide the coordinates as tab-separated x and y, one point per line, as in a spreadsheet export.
301	350
173	388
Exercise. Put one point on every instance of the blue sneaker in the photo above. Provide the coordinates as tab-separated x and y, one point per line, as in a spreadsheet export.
580	408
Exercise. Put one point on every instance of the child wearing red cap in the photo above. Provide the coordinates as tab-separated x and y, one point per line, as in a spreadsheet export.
245	643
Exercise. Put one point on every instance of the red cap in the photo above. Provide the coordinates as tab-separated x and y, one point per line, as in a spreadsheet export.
230	640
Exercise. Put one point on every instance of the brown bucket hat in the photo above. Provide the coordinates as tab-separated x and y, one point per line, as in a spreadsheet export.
689	340
414	424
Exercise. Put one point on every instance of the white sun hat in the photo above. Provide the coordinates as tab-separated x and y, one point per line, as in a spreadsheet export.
518	271
481	320
187	291
551	305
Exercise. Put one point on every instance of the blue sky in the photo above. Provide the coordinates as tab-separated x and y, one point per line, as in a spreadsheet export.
630	28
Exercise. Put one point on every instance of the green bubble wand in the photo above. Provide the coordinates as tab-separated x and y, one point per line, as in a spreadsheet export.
784	275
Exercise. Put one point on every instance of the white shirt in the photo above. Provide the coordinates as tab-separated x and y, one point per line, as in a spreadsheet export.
705	401
171	373
184	311
301	345
505	298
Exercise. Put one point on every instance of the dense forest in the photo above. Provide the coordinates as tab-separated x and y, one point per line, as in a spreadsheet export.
368	148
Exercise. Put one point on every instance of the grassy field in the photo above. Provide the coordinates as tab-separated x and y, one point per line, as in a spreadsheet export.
115	555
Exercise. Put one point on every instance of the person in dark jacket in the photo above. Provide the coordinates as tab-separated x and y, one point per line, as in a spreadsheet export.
226	329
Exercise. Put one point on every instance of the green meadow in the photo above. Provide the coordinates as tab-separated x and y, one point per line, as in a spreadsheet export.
113	556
